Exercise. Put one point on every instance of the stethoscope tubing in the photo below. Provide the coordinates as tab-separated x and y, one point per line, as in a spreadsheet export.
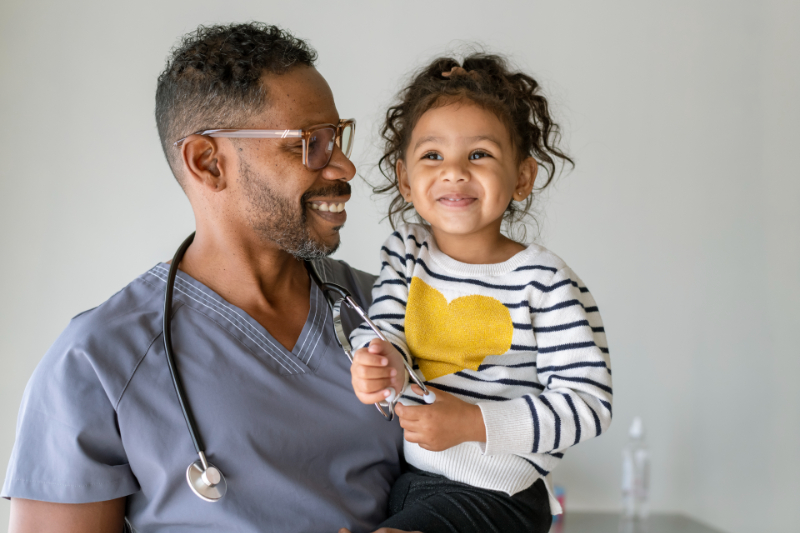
206	480
186	409
335	305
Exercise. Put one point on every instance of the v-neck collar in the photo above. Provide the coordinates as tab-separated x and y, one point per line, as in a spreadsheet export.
301	359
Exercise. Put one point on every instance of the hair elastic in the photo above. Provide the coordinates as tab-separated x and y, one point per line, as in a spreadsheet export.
461	71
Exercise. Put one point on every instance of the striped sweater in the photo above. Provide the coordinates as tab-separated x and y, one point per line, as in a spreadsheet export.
522	339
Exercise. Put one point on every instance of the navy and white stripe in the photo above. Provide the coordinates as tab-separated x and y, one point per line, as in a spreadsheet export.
551	390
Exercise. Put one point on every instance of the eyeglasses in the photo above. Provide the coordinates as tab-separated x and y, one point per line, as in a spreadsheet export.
318	140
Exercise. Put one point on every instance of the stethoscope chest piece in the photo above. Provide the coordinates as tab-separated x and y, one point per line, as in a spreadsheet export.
208	484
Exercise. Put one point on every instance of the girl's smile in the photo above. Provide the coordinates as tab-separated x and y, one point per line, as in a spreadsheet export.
456	200
461	172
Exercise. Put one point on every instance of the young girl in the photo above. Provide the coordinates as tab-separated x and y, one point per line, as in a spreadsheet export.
506	334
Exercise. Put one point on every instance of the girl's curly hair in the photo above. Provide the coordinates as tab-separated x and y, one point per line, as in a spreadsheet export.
488	82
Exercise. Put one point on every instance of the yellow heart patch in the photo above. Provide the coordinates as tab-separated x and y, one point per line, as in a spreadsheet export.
445	338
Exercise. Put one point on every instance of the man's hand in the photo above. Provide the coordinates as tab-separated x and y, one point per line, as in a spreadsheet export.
374	369
381	530
445	423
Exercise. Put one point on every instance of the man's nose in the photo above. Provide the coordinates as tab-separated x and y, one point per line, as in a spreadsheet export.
339	167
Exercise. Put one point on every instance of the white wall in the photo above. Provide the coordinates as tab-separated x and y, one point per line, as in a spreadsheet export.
683	215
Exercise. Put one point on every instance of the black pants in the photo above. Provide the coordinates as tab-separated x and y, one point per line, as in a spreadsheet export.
421	501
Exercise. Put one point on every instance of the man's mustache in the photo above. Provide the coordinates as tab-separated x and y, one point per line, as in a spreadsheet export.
337	188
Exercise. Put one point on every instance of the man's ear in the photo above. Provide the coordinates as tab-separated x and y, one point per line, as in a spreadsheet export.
402	180
526	177
203	163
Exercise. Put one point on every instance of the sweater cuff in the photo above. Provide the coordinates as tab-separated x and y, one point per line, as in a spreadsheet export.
508	427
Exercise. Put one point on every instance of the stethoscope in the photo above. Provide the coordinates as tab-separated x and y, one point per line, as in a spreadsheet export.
205	479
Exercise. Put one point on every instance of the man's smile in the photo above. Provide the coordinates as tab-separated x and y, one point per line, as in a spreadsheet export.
331	210
328	203
329	206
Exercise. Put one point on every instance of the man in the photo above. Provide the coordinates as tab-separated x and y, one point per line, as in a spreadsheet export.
101	435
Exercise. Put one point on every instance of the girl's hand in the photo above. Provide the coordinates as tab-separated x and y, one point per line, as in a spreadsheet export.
374	369
445	423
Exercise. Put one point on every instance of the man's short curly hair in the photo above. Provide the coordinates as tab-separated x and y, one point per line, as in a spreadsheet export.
213	78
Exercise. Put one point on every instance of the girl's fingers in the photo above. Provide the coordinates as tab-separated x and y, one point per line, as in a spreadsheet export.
364	357
411	436
418	390
373	372
406	424
406	412
370	386
374	397
378	346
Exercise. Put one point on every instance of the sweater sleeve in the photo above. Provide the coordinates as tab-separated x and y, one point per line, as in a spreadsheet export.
389	298
573	366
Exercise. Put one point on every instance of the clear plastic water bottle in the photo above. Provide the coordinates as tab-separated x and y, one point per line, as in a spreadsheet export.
635	474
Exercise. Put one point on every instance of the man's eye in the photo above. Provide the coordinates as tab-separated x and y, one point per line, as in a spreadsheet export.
478	154
432	156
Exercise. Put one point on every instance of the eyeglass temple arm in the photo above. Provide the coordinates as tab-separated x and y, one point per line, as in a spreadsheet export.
255	134
246	134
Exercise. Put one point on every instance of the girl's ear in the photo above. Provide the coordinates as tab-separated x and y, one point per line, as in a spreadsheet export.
402	180
526	177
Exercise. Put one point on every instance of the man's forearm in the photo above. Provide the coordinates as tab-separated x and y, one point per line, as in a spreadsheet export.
32	516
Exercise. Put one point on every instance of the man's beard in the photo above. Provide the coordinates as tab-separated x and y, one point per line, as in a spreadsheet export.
283	222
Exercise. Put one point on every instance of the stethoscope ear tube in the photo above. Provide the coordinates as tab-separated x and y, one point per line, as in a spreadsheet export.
386	408
336	310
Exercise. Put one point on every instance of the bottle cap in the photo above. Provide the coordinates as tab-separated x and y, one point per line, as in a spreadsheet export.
637	428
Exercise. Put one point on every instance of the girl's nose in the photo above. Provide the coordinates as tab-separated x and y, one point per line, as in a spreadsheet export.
454	172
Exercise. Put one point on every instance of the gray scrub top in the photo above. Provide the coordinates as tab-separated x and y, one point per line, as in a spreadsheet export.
100	418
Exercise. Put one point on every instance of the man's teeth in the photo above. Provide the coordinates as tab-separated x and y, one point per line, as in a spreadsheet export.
324	206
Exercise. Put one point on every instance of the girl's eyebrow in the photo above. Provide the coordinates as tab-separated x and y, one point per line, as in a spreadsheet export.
465	140
489	138
429	138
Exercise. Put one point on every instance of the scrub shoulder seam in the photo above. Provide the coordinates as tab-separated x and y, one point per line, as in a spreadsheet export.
175	308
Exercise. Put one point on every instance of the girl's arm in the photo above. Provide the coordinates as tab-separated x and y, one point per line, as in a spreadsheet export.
388	309
573	367
389	298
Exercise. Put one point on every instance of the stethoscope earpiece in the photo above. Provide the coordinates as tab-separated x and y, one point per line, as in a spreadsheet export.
385	407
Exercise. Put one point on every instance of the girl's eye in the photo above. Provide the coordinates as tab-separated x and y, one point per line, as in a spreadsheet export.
432	156
478	154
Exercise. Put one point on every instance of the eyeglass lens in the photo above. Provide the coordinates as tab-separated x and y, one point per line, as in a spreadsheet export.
320	145
347	139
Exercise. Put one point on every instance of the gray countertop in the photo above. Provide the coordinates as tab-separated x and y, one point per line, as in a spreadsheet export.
583	522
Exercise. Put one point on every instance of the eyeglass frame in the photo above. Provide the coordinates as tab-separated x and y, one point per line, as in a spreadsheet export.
304	134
